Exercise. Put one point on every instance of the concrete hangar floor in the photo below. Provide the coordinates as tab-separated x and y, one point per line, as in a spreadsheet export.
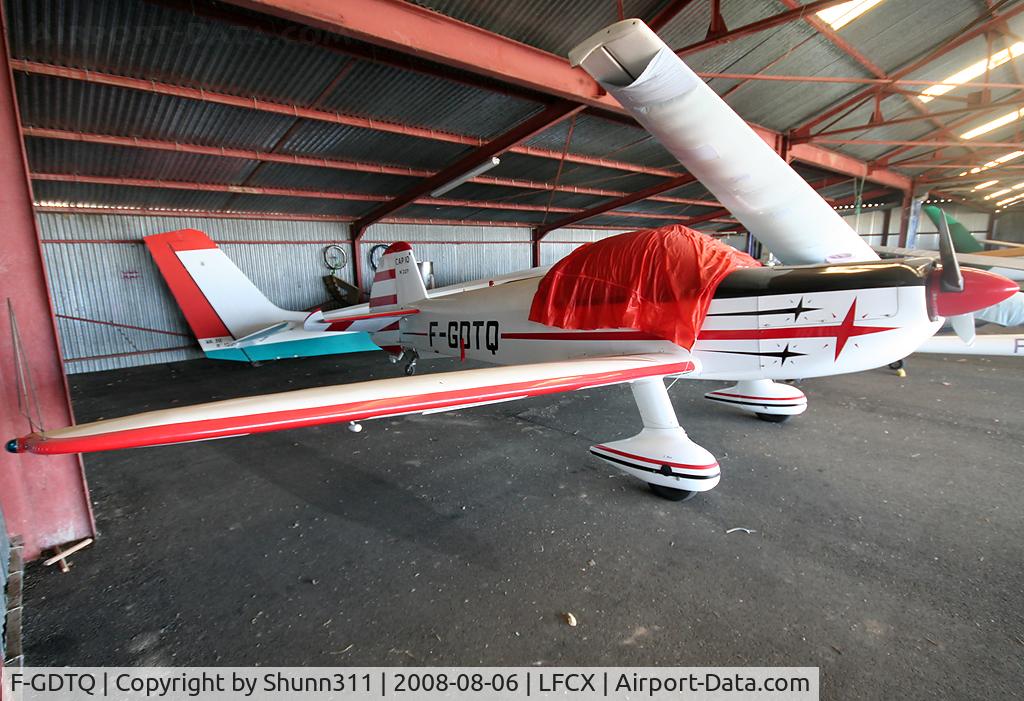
888	544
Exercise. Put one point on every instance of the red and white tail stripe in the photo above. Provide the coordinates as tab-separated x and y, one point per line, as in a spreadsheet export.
397	280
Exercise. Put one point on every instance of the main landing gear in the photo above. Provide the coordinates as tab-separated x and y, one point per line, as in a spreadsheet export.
766	399
410	367
662	455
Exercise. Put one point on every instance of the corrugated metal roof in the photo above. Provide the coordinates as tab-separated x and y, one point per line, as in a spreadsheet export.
52	156
552	25
328	179
388	93
154	40
595	136
894	33
515	165
516	195
89	195
58	103
150	40
351	143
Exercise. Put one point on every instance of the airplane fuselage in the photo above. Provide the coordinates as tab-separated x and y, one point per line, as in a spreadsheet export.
772	323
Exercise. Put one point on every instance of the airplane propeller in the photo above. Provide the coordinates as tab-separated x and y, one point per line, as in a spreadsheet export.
952	280
952	277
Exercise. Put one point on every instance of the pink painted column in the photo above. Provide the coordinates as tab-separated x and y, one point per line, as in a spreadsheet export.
45	499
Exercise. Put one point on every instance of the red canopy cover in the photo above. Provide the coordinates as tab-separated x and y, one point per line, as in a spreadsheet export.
659	281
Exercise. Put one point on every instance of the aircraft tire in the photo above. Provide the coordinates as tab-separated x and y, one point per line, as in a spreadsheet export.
671	494
773	418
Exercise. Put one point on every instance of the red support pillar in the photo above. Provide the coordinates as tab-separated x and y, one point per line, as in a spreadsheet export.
886	221
908	200
44	499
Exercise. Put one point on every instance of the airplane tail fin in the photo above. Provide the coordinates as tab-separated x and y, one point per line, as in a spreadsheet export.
397	281
217	299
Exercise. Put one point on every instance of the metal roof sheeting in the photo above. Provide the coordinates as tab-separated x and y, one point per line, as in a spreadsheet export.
238	52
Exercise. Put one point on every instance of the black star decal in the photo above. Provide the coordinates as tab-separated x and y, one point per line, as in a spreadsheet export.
783	355
800	309
795	311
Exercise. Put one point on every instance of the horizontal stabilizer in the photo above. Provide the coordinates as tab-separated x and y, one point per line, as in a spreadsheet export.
358	320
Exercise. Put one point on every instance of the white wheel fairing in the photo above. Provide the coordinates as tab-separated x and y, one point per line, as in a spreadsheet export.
761	397
661	453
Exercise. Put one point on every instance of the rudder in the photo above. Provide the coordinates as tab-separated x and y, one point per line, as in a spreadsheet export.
215	296
397	281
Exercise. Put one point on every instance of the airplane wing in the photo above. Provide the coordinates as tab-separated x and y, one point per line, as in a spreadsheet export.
976	260
422	394
984	344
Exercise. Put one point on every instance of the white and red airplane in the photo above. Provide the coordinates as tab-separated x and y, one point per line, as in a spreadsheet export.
762	324
232	319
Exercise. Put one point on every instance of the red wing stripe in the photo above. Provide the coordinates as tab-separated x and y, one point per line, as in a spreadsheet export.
200	314
790	332
657	462
769	399
205	429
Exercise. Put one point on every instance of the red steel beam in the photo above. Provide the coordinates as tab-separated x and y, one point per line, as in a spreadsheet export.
45	500
391	23
974	30
888	156
168	212
791	15
254	103
919	142
667	14
812	154
905	120
551	115
908	199
269	26
415	30
981	174
607	207
311	194
277	216
337	164
870	66
869	195
851	81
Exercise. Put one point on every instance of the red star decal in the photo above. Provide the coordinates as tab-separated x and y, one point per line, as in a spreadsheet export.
842	332
847	329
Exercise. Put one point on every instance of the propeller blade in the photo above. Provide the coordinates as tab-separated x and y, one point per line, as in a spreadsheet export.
952	279
963	324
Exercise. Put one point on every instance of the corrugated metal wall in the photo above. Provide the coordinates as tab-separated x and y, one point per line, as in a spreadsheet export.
113	308
869	225
458	253
115	311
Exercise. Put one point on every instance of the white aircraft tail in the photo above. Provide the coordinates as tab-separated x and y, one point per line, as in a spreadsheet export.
397	281
218	300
